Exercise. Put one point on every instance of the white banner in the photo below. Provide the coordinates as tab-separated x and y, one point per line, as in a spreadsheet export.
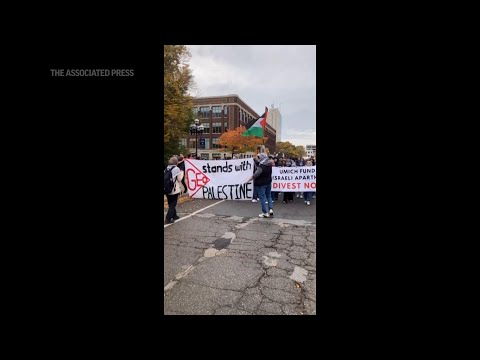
294	179
219	179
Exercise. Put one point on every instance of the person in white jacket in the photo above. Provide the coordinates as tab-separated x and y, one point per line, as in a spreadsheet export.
178	188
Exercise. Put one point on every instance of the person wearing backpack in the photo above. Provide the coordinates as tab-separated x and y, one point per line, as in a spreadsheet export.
181	166
172	188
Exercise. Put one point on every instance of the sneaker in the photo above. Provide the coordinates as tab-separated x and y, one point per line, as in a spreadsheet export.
308	202
169	222
254	200
258	199
176	217
301	196
271	212
284	202
266	202
313	197
305	201
264	215
298	195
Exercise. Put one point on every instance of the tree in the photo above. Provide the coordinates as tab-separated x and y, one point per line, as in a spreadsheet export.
300	151
233	140
177	110
290	149
285	147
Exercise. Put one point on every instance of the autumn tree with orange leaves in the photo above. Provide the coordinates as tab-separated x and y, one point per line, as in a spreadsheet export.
233	140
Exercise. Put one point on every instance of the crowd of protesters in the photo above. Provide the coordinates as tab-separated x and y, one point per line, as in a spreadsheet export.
286	161
262	177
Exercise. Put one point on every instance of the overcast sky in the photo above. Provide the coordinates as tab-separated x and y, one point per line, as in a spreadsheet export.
262	75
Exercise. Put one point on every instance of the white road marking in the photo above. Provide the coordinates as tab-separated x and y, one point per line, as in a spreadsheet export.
186	217
211	252
169	285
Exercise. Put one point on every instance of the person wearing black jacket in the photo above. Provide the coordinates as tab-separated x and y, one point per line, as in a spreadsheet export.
263	180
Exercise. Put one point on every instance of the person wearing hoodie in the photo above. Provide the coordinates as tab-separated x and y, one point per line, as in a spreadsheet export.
263	180
172	198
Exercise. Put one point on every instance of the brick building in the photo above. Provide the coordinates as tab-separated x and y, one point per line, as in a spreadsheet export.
219	114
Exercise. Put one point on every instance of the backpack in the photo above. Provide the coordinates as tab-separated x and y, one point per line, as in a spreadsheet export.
167	181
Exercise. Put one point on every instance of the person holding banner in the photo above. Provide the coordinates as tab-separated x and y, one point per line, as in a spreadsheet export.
263	180
172	198
181	166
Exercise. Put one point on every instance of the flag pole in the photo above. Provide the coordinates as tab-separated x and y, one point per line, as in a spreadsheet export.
265	128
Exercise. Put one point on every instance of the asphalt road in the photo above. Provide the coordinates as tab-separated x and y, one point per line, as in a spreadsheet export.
225	260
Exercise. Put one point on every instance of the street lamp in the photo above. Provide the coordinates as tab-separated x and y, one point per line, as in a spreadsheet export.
196	129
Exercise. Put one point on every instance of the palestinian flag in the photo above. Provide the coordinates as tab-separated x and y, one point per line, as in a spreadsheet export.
256	127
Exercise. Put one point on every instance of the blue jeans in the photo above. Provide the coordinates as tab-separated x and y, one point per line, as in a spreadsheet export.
308	195
265	194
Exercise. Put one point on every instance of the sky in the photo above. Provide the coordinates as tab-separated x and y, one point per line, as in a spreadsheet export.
262	75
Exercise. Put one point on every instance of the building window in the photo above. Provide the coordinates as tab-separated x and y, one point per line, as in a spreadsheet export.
191	143
216	156
217	128
215	143
225	125
183	142
195	111
216	111
207	144
225	110
204	156
205	111
206	127
242	115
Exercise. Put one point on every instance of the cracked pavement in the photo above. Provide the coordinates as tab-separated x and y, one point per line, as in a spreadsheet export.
227	261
